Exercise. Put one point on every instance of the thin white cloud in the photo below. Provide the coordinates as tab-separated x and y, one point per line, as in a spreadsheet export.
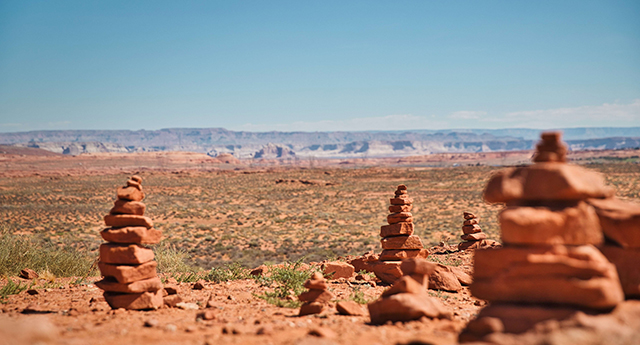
467	115
390	122
605	115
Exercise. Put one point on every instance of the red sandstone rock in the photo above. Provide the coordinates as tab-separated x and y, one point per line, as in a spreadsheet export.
471	221
578	275
620	221
124	254
471	229
128	207
311	308
405	284
474	237
316	282
417	266
130	193
627	262
132	183
135	301
469	215
402	201
112	285
387	271
127	274
400	254
172	300
123	220
402	242
136	178
28	273
546	181
402	187
400	208
394	218
349	308
136	234
406	307
575	225
320	296
338	269
443	278
396	229
472	245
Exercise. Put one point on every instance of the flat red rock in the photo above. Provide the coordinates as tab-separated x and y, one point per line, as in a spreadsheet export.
135	301
349	308
396	229
402	242
401	201
128	273
136	234
338	269
576	225
474	237
406	307
400	208
546	181
128	207
405	284
620	220
112	285
401	254
122	220
627	262
130	193
112	253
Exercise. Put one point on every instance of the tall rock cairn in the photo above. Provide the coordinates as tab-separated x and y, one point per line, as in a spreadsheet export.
317	298
130	280
473	236
398	240
549	267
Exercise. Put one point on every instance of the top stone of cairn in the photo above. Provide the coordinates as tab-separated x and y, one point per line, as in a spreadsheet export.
550	148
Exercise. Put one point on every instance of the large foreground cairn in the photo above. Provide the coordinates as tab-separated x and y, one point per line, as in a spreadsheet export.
398	240
407	298
549	258
130	279
317	298
473	236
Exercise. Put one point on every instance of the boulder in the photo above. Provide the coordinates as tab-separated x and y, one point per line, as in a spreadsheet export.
443	278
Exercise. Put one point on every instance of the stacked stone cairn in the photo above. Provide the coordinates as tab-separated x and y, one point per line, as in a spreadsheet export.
549	267
407	298
398	240
473	236
130	280
317	298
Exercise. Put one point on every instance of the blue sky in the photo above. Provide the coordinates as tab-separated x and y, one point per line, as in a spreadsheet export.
318	65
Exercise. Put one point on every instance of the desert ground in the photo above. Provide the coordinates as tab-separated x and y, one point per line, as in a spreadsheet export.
220	220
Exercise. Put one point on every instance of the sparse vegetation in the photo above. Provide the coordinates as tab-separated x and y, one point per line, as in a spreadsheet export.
18	252
288	279
232	271
12	288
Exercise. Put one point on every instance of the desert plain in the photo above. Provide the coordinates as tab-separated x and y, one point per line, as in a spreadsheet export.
223	218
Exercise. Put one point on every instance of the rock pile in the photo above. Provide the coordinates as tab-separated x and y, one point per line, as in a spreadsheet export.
473	236
130	280
548	232
398	240
407	299
317	298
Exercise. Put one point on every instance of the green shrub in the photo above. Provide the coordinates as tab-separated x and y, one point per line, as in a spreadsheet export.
232	271
19	252
172	260
289	280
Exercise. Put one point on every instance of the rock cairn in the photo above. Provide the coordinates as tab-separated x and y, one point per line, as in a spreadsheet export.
407	298
473	236
317	298
130	280
548	267
398	240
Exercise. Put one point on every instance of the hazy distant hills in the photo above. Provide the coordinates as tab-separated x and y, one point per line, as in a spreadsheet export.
314	144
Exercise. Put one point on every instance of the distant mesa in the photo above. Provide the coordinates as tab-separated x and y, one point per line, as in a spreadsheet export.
311	145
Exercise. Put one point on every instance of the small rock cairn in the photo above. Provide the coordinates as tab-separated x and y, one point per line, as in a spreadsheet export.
398	241
407	298
317	298
130	280
549	267
473	236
